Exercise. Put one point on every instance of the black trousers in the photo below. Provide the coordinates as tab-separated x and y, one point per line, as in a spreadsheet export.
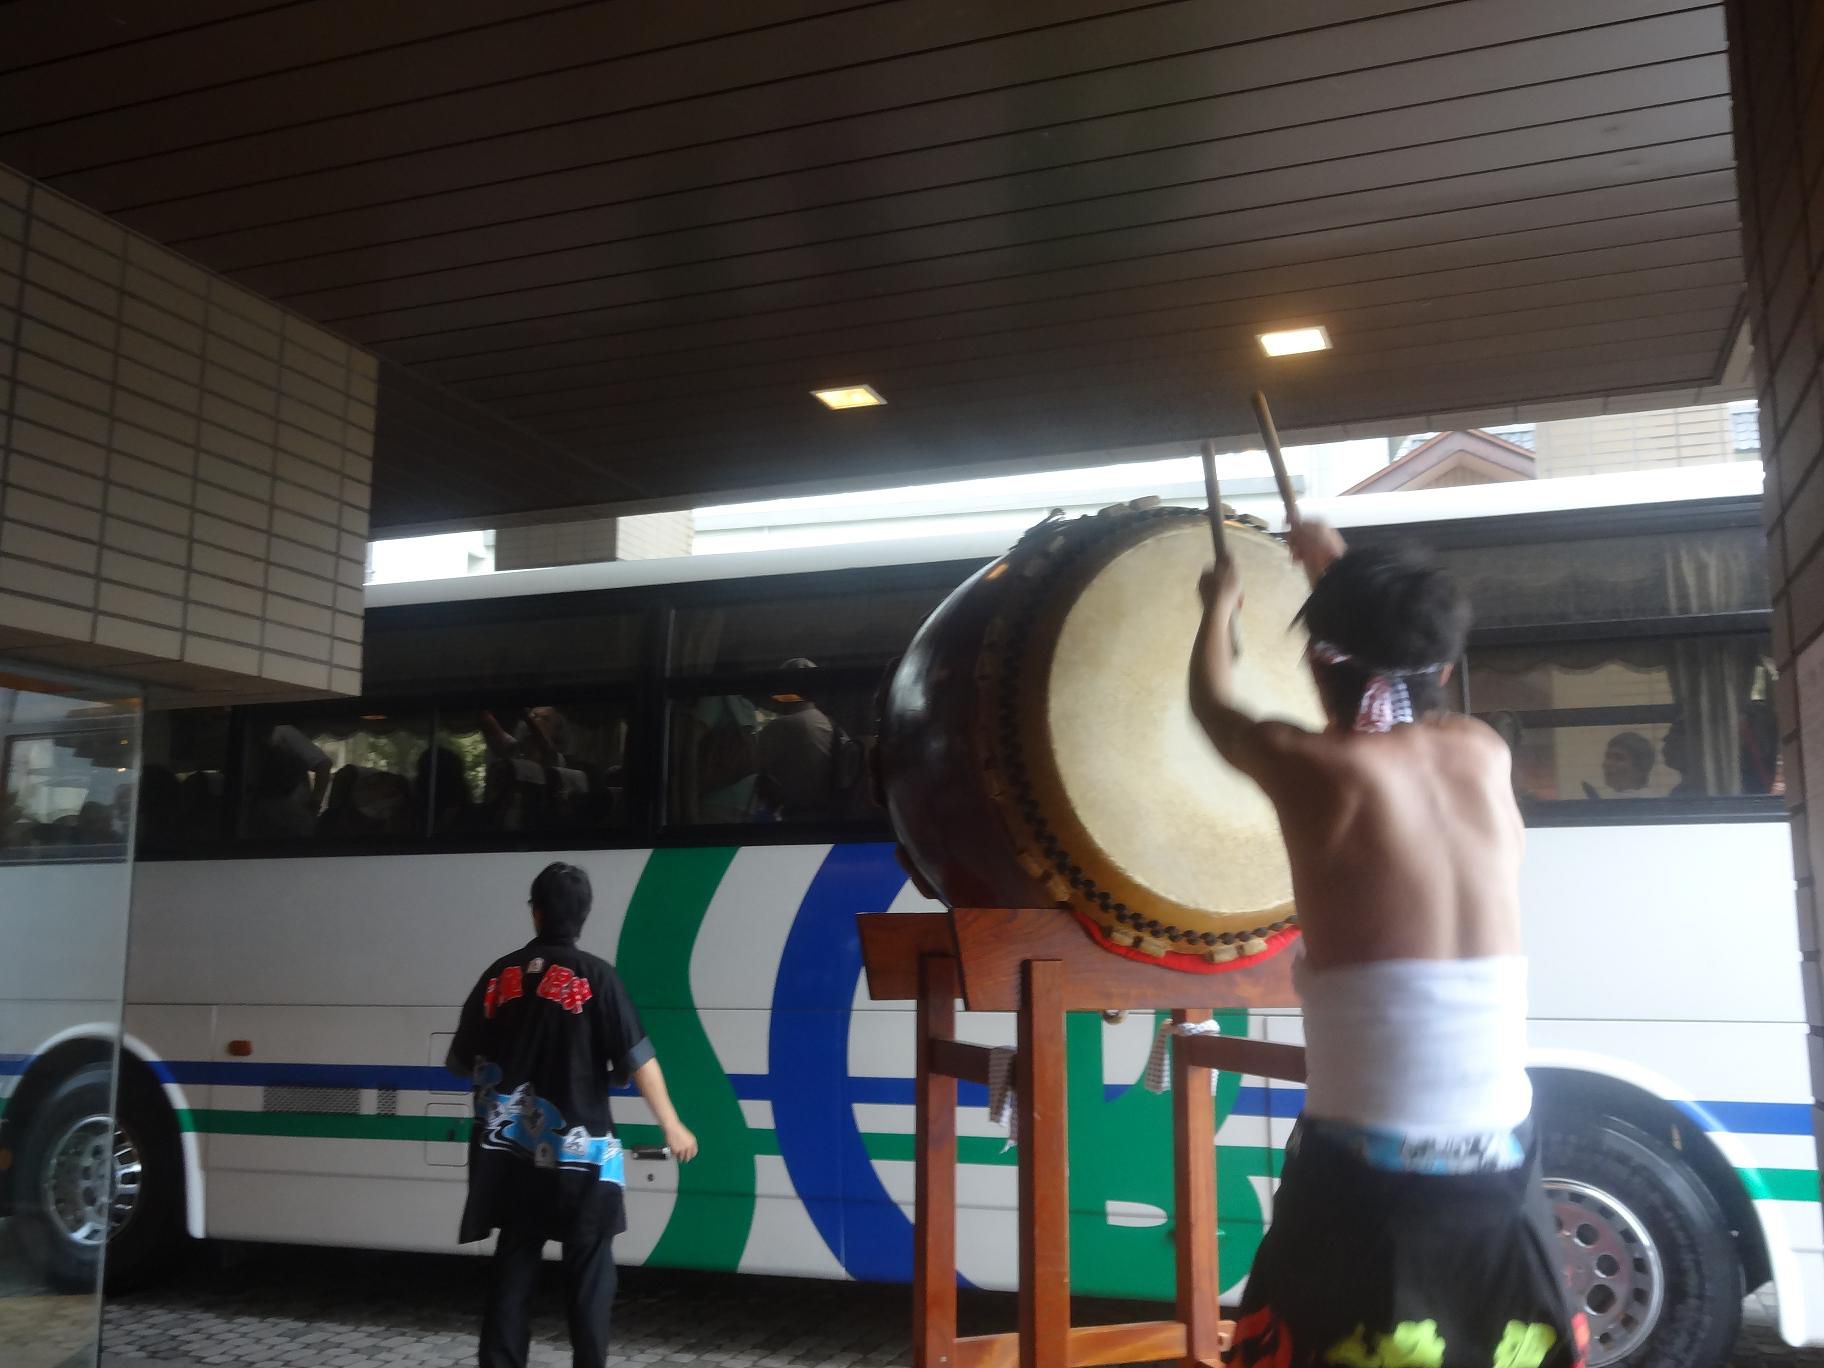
589	1283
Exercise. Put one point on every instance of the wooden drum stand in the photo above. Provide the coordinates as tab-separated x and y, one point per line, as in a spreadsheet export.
1041	964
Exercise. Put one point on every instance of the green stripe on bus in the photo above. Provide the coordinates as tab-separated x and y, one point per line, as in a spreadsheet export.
1240	1161
1780	1185
715	1206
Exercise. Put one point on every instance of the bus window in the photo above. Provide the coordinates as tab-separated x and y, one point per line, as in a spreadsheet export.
1662	718
335	776
513	648
1636	577
181	793
832	629
530	766
792	751
68	792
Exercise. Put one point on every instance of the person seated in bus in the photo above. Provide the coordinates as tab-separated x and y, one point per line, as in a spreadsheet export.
1627	766
366	802
807	763
202	806
290	785
544	1034
1410	1224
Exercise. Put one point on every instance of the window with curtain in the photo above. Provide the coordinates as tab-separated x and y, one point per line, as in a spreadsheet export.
1672	718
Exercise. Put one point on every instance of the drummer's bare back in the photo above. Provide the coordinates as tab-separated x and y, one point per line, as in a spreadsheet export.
1403	845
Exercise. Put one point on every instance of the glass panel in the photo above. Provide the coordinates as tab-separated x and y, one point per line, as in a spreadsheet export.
70	759
824	629
517	766
182	793
532	650
1687	717
796	752
337	776
1595	580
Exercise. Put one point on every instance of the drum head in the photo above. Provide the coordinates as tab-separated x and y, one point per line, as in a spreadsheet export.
1141	825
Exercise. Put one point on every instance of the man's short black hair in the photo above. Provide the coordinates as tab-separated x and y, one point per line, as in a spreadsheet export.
562	897
1392	610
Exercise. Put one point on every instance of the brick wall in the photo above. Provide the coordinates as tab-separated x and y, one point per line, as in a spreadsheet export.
1777	75
186	467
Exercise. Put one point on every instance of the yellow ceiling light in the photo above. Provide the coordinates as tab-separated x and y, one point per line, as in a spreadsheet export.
1292	341
848	397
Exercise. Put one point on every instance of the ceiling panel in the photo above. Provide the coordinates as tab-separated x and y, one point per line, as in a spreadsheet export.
606	249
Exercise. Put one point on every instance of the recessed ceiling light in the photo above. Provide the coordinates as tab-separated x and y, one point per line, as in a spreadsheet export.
850	396
1294	340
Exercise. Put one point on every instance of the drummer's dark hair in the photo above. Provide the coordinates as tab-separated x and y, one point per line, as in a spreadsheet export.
562	897
1392	609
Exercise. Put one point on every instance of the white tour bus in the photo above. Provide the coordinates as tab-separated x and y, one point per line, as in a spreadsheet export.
317	885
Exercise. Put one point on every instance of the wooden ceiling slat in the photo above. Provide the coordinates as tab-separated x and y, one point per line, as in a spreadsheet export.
1454	238
33	32
669	149
1616	110
1005	170
1716	284
1017	380
957	254
749	96
1075	430
1208	277
844	46
451	49
1104	198
66	115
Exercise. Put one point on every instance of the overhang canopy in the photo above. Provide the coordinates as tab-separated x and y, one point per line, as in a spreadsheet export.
632	237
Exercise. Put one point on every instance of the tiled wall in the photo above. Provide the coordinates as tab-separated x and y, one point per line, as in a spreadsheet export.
186	469
1777	61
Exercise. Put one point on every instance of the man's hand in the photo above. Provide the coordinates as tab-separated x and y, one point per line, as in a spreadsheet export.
1221	586
1315	545
681	1143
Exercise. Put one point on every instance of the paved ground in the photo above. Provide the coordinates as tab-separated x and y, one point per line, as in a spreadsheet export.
267	1307
264	1306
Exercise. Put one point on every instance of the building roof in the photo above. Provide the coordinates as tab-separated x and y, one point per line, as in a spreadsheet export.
1462	457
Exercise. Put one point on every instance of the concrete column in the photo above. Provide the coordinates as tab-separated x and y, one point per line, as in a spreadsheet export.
1777	60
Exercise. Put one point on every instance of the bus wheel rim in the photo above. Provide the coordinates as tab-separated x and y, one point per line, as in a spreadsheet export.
91	1183
1615	1273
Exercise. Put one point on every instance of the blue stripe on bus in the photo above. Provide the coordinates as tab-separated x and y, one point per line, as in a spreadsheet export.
218	1073
13	1064
1751	1118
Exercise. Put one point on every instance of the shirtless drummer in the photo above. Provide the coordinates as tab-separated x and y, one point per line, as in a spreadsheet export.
1410	1228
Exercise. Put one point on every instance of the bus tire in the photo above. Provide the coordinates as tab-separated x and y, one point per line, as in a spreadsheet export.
1652	1262
81	1172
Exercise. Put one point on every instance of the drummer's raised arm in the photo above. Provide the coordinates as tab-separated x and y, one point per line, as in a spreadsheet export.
1249	744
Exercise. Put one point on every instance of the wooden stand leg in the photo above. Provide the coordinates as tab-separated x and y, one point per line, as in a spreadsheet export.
1044	1170
1194	1180
934	1167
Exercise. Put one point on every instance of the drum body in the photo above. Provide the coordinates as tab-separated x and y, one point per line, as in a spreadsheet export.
1037	746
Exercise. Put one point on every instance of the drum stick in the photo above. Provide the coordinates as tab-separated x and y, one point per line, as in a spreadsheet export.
1270	435
1213	492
